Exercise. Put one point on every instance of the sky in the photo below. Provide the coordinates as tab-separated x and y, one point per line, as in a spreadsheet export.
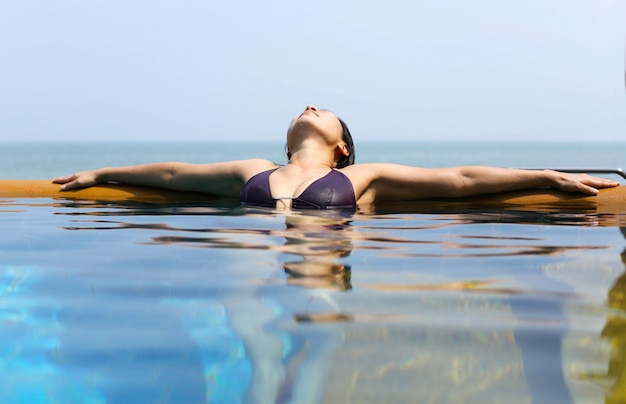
411	70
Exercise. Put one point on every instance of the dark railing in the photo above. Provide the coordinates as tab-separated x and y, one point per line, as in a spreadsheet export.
617	171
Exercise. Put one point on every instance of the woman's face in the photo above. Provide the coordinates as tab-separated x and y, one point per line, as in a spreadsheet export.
321	121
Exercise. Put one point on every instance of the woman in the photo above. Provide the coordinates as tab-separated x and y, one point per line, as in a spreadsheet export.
320	174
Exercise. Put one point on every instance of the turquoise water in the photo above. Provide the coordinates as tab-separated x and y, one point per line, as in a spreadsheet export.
111	302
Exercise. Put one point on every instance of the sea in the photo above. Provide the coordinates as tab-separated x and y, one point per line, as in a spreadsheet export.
120	302
46	160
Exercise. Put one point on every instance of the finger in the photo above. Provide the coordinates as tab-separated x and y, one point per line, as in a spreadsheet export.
63	180
585	187
71	185
579	187
601	183
66	187
589	190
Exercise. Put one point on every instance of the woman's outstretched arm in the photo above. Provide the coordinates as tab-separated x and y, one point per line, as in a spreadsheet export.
392	182
225	179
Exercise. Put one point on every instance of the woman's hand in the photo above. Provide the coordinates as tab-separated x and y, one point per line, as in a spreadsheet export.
580	182
81	179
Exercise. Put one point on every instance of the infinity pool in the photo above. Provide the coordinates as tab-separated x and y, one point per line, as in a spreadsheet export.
121	303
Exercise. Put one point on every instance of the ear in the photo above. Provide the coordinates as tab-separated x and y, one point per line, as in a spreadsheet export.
342	148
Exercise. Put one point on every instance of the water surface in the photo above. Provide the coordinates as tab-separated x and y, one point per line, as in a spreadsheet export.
108	302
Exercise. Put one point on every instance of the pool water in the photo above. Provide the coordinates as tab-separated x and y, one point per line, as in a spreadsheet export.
120	303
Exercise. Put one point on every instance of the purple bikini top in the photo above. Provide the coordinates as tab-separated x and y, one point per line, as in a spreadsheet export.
332	191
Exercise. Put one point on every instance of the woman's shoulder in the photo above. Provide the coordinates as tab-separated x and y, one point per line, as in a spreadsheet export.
251	167
360	176
258	162
240	169
362	171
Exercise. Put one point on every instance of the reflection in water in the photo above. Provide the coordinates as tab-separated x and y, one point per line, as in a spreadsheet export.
319	242
439	307
615	333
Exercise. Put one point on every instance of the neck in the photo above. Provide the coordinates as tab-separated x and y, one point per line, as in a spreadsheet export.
308	155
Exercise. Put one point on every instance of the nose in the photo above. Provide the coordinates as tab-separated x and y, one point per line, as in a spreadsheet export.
311	107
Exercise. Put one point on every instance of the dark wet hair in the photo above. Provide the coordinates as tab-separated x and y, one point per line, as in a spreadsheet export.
347	137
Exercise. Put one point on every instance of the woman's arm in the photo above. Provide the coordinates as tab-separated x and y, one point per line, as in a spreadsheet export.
225	179
392	182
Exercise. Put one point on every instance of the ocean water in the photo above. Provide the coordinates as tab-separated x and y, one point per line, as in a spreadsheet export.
40	161
104	302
